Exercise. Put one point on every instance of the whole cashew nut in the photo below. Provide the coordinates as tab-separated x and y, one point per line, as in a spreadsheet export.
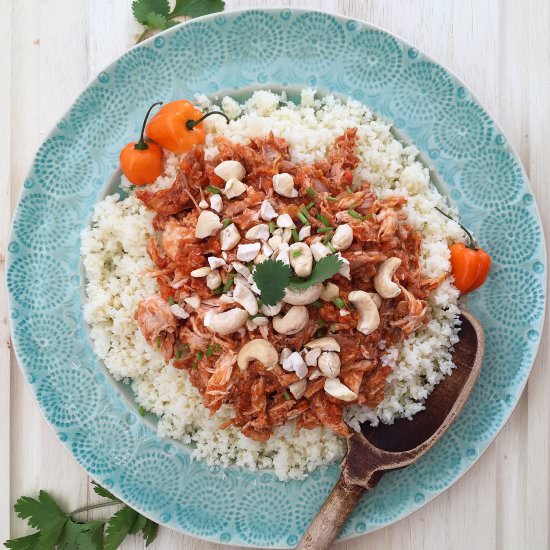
293	321
257	350
301	259
227	322
343	237
334	387
329	364
383	282
303	297
327	343
369	318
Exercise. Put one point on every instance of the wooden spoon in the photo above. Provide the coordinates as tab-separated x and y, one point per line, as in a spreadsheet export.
376	451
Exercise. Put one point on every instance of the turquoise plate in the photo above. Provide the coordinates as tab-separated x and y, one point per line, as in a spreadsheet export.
227	52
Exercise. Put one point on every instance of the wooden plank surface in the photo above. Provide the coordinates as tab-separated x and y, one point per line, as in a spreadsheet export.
501	48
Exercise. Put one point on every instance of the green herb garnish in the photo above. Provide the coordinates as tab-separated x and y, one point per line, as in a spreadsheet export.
156	14
226	223
323	219
272	227
310	205
339	303
141	410
302	218
272	277
171	300
58	529
187	347
286	395
229	283
327	229
159	341
217	348
354	214
179	353
324	269
200	355
295	236
311	192
296	253
212	189
209	351
332	199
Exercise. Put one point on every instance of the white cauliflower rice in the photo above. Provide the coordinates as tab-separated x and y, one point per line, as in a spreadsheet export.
115	259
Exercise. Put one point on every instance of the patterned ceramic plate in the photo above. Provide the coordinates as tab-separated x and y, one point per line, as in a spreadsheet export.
93	416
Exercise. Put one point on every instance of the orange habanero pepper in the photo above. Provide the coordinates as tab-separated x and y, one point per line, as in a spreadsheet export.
470	264
177	126
141	162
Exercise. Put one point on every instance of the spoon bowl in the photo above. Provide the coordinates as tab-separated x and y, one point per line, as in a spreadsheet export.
387	447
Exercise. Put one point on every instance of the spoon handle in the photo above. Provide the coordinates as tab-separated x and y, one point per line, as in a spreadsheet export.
331	517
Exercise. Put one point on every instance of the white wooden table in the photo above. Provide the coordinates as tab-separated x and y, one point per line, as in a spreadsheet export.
52	48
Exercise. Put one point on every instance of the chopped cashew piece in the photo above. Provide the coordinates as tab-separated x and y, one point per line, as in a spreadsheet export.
193	301
330	291
315	374
295	363
301	259
285	354
178	311
329	364
369	318
284	220
203	204
245	297
383	282
260	231
257	350
304	232
345	267
229	237
282	255
287	234
327	343
247	252
294	320
271	311
298	388
283	184
334	387
230	169
303	297
213	279
208	224
312	356
216	202
343	237
200	272
260	321
242	270
275	242
319	250
234	188
267	212
376	299
227	322
215	262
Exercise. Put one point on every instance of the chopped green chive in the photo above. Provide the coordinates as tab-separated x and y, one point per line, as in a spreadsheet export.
323	219
311	192
212	189
179	353
296	253
250	266
286	396
320	323
339	303
209	351
330	247
195	365
159	341
332	199
319	333
327	229
217	291
326	241
317	304
349	189
229	283
171	300
227	222
310	205
302	218
200	355
295	235
272	227
142	411
354	214
187	347
217	348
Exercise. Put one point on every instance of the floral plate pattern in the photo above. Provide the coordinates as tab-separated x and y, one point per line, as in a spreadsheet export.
224	53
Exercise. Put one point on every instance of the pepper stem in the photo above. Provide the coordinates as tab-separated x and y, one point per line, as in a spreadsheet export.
190	124
142	144
472	243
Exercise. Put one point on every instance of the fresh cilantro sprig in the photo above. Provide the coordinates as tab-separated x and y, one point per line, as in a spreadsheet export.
57	529
272	277
156	14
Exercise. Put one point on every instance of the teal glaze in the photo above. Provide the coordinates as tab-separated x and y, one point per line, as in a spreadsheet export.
229	52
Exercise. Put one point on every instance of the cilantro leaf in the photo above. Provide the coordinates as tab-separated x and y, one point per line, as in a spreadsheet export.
142	8
119	526
157	21
102	492
39	513
272	277
30	542
138	525
150	531
92	537
324	269
196	8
